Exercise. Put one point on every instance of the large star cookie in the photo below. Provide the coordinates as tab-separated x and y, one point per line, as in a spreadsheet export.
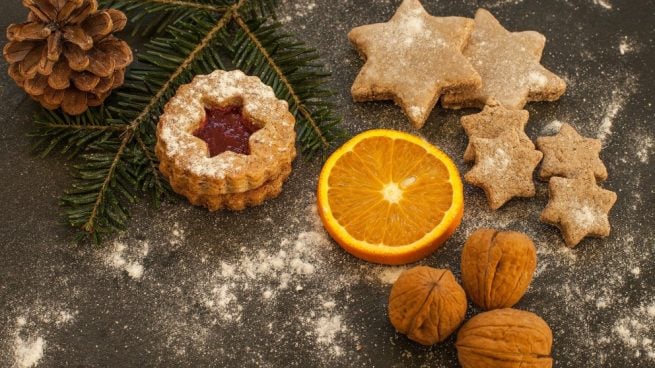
503	167
413	59
578	207
492	122
568	154
509	64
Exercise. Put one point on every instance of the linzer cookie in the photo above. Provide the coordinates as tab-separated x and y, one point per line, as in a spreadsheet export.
569	154
413	59
503	167
578	207
226	141
492	122
509	64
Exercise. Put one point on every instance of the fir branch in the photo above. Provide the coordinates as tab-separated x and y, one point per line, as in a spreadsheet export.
106	211
117	141
288	66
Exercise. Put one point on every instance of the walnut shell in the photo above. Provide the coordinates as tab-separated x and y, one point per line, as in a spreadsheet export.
427	304
497	267
505	338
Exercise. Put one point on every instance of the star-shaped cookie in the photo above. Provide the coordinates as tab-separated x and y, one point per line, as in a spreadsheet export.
578	207
509	64
412	59
568	154
492	122
504	167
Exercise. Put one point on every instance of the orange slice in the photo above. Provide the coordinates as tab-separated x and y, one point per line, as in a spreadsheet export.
390	197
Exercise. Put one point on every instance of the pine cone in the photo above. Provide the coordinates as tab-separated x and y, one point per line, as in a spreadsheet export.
65	54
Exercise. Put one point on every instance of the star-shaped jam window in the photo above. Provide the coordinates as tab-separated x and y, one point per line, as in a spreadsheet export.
509	64
568	154
503	167
578	207
492	122
412	59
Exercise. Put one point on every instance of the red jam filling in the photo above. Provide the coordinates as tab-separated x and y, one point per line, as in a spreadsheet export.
226	129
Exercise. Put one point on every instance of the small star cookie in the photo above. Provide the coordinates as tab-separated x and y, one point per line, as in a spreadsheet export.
413	59
509	64
503	167
578	207
568	154
492	122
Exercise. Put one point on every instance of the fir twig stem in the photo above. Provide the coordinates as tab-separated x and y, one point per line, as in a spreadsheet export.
118	128
296	99
190	4
89	226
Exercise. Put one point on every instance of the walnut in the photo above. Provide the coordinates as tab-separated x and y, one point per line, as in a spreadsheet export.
427	304
497	267
505	338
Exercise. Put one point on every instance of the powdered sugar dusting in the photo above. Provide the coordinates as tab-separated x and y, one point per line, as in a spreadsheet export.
186	110
585	216
497	162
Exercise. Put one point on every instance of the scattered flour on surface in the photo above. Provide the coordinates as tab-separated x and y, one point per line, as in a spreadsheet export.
389	275
127	258
31	329
604	3
637	331
626	46
617	102
296	9
645	148
552	128
27	353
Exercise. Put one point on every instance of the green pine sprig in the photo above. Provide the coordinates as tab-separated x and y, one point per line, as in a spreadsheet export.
114	145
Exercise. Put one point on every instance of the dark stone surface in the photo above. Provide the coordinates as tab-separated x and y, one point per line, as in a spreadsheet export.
90	312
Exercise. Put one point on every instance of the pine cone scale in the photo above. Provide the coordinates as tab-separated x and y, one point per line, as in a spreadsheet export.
105	85
119	51
66	8
98	25
15	52
37	85
76	35
85	81
60	77
53	97
77	59
29	66
42	9
81	14
65	54
118	19
74	101
100	64
28	31
55	46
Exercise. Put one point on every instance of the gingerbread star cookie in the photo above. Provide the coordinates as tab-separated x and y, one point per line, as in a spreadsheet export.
503	167
412	59
568	154
509	64
578	207
492	122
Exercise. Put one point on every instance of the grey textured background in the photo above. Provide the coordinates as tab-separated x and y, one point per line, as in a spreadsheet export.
586	295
